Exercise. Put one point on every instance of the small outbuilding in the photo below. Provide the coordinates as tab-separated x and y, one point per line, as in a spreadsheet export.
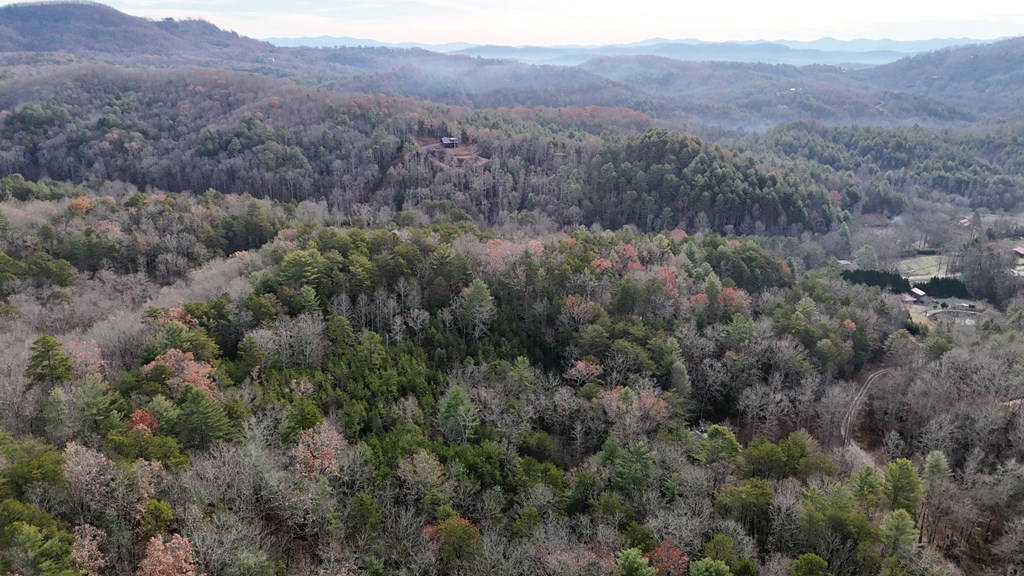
917	292
449	142
1019	251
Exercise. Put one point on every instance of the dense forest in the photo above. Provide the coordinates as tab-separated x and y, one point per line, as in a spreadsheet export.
257	320
281	394
189	130
977	169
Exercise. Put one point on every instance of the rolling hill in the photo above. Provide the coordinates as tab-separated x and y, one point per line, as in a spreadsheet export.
670	81
87	27
986	78
766	52
857	53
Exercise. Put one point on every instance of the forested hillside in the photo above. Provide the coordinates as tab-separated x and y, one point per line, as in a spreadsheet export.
193	130
306	312
93	28
754	95
284	396
945	88
653	179
986	78
981	169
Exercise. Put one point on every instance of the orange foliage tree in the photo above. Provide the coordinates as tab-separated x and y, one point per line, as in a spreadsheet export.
171	558
185	371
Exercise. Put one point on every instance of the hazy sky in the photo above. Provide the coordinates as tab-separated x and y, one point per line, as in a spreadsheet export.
597	21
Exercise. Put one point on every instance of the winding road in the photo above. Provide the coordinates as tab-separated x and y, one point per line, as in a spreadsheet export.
846	427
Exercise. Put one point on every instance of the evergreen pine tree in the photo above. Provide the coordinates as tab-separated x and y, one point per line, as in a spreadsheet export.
202	420
48	365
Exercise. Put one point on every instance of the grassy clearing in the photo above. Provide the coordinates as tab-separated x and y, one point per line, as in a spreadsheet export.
923	267
917	314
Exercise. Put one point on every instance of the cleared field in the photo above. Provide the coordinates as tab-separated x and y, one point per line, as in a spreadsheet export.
917	314
923	267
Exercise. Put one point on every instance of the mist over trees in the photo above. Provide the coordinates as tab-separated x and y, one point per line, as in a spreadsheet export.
255	318
197	130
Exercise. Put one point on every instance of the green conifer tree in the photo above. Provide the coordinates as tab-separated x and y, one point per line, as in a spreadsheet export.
48	364
203	420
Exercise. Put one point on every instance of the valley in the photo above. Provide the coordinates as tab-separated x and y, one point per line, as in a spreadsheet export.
278	310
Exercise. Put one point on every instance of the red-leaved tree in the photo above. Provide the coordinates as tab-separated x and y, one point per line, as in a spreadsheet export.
633	413
171	558
583	371
668	559
318	451
143	421
735	299
185	370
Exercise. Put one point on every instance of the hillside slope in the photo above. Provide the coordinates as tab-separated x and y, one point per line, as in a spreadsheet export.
951	86
987	78
93	28
194	129
755	95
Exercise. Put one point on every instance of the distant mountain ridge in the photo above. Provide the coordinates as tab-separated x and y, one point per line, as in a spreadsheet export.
678	82
870	45
859	52
325	41
765	52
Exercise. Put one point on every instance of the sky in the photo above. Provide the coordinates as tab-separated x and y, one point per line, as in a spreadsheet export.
551	22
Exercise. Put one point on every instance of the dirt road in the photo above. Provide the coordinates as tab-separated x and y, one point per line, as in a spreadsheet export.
847	425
